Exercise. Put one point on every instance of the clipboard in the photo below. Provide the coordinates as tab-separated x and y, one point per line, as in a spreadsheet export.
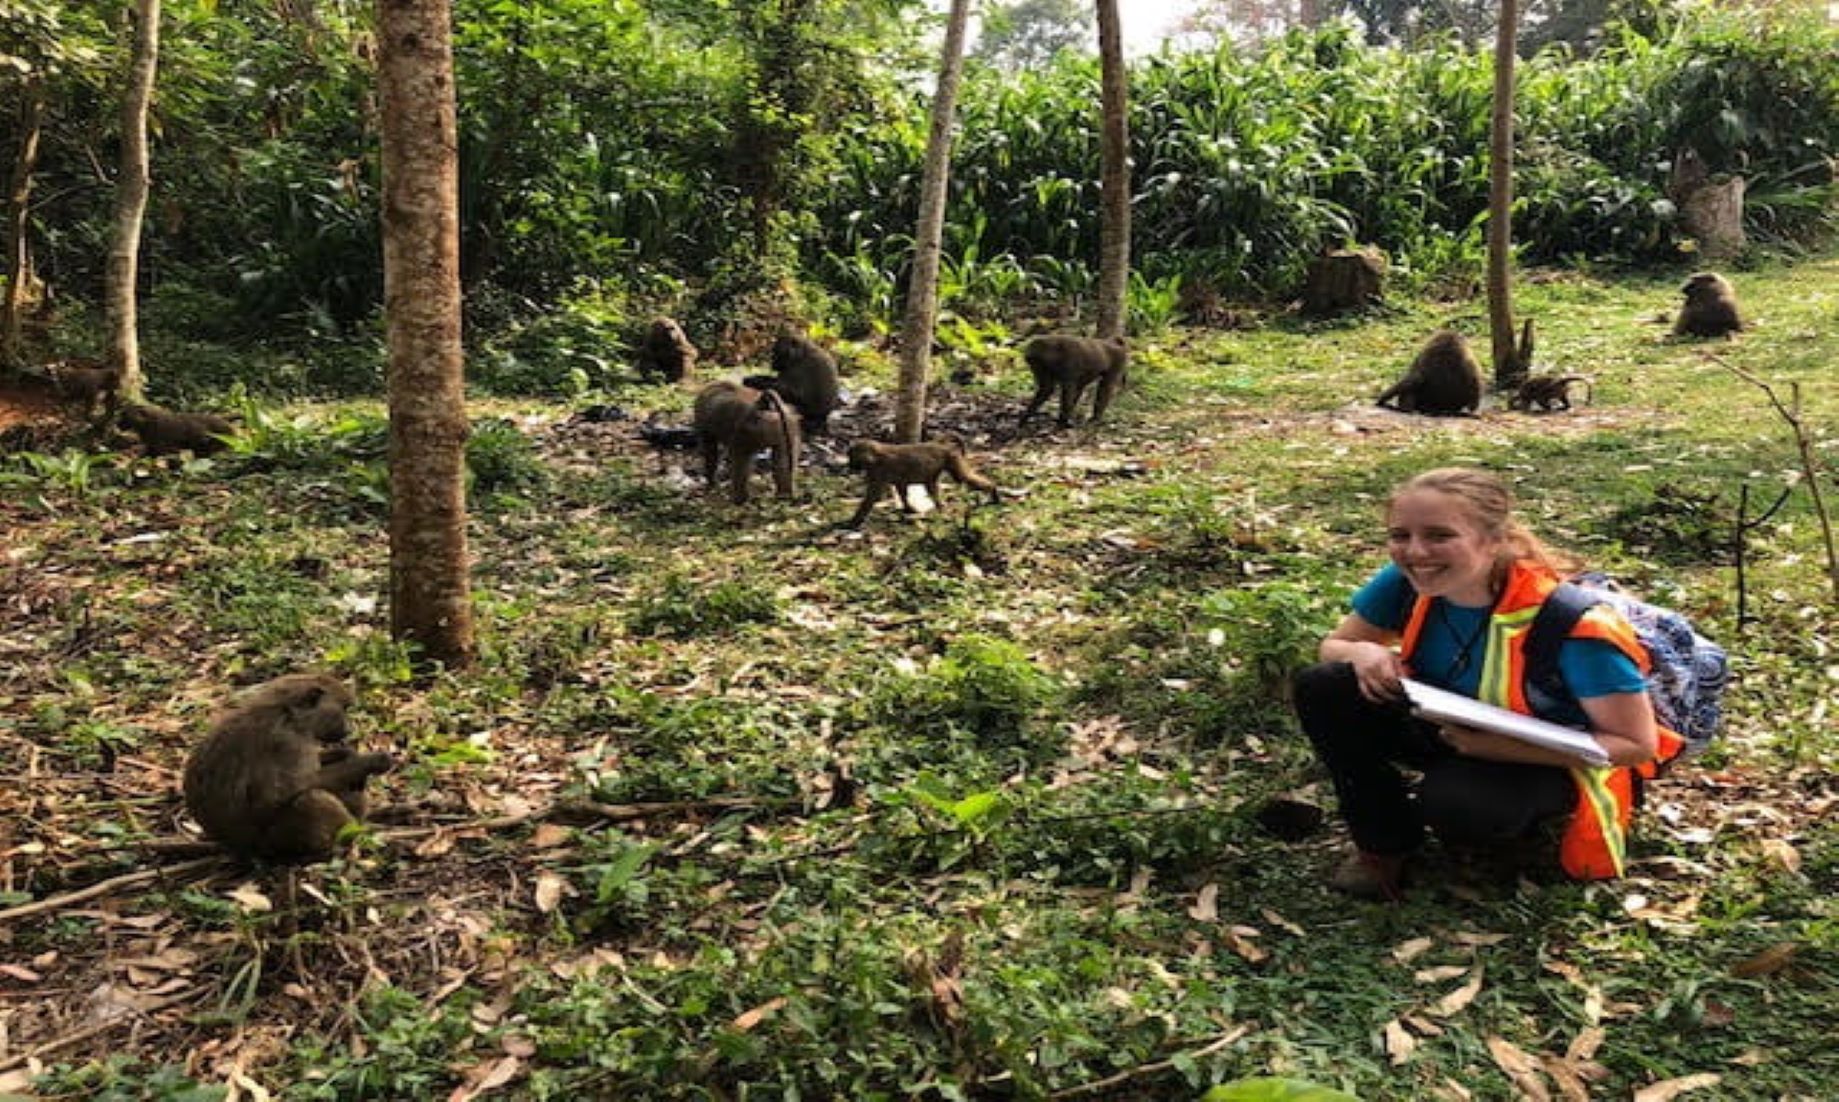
1443	706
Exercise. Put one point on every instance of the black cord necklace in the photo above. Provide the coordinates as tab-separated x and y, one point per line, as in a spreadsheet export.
1465	650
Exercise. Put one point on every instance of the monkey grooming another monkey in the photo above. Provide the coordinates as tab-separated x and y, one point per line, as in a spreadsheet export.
1443	380
1069	365
806	376
274	777
1548	392
165	432
741	421
902	465
666	352
1711	307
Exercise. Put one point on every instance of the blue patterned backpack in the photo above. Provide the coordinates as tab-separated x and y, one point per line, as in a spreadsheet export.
1687	672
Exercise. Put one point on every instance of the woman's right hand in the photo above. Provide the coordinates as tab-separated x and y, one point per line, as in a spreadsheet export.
1368	649
1377	668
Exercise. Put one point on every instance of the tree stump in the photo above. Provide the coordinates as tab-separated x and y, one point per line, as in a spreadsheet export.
1345	279
1713	213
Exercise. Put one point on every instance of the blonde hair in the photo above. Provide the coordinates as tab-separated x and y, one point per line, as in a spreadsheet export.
1488	502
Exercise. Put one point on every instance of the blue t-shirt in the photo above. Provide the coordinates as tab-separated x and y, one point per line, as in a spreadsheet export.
1590	667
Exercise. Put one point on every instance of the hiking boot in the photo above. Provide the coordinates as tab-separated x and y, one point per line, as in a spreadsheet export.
1376	876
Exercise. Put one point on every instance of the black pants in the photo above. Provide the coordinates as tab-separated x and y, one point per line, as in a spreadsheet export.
1463	799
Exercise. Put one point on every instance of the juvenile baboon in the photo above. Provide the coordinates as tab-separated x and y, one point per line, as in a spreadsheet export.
741	421
902	465
88	383
164	432
1710	309
1069	365
1444	379
275	778
665	352
1548	392
806	376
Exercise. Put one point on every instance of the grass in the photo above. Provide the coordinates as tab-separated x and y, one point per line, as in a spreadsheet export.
997	768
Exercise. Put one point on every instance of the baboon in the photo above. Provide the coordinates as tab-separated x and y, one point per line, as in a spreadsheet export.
275	778
741	421
1711	307
164	432
86	382
1069	365
1444	379
902	465
806	376
1548	392
666	352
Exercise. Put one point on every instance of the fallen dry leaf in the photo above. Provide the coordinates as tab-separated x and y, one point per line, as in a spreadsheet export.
550	888
1668	1089
1477	940
487	1077
1453	1002
1585	1044
1567	1077
1243	946
1406	952
1206	905
1768	962
1400	1044
549	836
1440	973
758	1014
250	899
1520	1068
1281	922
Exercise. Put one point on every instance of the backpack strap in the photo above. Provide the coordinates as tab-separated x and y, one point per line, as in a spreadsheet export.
1558	614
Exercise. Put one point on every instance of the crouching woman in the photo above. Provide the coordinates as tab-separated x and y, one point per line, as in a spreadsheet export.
1453	609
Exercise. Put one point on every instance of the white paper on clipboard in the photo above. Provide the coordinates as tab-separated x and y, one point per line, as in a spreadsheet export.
1443	706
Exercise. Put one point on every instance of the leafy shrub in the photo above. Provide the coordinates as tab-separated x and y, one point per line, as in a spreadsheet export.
500	458
983	687
683	607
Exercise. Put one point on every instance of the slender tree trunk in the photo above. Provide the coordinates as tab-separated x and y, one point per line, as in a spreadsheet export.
430	599
131	189
1509	370
18	211
1114	176
923	291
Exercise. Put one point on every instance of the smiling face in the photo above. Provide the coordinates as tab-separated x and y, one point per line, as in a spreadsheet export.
1442	547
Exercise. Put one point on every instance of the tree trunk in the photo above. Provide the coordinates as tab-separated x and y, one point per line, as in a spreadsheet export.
18	210
1114	177
1713	213
131	200
1509	372
430	600
923	291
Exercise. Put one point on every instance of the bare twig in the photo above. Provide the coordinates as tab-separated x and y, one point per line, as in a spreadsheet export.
113	884
1143	1071
1790	412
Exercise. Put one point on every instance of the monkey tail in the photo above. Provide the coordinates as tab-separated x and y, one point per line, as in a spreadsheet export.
770	400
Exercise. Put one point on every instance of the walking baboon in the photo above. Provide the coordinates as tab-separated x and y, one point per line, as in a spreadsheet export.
666	352
902	465
741	421
1710	309
164	432
806	376
275	778
1444	379
89	383
1548	392
1069	365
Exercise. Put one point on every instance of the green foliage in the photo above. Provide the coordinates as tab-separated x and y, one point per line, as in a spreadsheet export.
124	1079
501	459
982	687
1275	1090
682	606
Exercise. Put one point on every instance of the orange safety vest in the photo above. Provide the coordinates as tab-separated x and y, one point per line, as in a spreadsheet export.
1595	841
